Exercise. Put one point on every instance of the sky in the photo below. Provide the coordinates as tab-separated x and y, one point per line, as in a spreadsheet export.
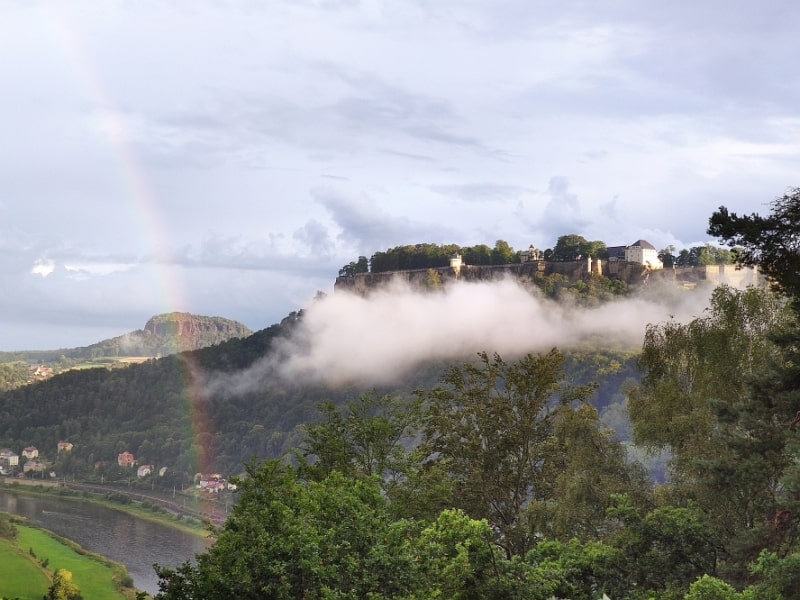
226	158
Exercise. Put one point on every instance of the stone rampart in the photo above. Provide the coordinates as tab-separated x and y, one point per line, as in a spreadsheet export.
629	272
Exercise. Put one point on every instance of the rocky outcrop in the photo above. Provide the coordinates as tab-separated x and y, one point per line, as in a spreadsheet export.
185	331
186	325
167	334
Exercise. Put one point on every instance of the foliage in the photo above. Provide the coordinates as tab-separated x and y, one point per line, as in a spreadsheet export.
686	365
290	539
433	280
458	559
13	375
354	268
586	292
428	256
711	588
574	247
667	549
522	449
7	528
63	587
698	256
366	437
779	576
771	242
727	438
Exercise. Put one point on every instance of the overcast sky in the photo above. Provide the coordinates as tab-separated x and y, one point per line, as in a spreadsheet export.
227	158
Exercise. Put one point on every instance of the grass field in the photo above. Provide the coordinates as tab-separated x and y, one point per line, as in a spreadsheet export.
22	577
27	580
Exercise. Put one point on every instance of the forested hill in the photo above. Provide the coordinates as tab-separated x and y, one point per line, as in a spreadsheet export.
162	334
164	413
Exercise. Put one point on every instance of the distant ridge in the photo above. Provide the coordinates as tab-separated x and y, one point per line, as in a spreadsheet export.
170	333
162	335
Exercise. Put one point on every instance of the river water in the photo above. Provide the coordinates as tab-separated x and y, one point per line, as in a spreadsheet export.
135	543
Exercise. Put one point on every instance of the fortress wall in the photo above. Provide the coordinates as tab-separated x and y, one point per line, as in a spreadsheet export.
631	273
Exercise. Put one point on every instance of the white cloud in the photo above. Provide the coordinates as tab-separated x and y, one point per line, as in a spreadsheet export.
43	267
347	338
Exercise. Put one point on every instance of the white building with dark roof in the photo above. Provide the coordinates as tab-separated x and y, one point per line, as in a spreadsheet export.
9	458
644	253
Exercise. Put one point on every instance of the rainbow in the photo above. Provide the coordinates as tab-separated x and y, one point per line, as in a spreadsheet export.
143	210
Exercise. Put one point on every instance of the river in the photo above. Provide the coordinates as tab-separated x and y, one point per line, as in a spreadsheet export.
135	543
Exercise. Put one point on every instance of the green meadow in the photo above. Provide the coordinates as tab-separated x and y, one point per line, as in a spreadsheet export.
24	575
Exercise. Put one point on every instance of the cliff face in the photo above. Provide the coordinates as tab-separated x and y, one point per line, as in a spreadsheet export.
167	334
184	331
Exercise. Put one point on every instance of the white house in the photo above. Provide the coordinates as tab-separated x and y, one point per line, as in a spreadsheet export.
144	470
9	458
30	452
644	253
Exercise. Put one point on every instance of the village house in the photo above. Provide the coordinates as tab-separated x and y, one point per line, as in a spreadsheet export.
64	447
36	466
39	373
212	484
144	470
30	452
8	458
126	459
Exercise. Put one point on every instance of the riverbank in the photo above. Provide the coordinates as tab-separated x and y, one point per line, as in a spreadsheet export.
34	555
112	499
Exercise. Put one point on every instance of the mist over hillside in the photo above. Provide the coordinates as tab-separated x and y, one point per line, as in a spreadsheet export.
348	339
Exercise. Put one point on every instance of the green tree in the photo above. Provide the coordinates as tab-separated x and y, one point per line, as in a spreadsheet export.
503	254
433	280
771	242
574	247
458	559
569	247
291	539
7	528
667	549
687	365
354	268
779	577
595	470
63	587
667	256
477	255
711	588
506	433
727	438
368	437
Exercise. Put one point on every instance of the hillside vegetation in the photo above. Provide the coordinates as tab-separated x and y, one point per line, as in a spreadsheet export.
163	413
162	335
